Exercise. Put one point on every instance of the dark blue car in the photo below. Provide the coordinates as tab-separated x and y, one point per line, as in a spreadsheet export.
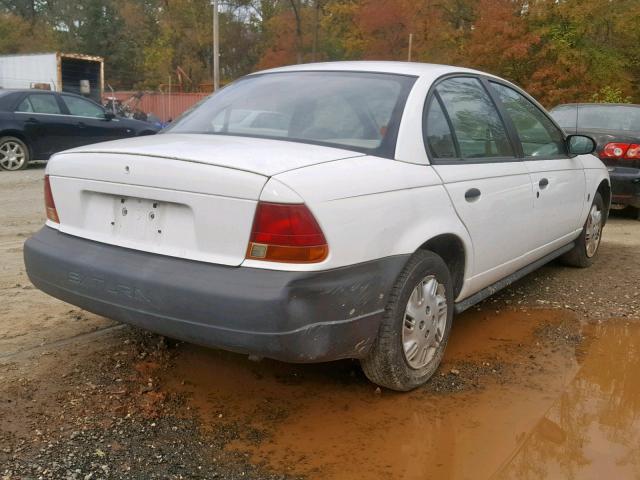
35	124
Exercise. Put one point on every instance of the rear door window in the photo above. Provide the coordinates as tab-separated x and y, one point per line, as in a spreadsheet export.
476	123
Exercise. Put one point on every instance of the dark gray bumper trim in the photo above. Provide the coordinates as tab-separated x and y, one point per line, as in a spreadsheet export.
291	316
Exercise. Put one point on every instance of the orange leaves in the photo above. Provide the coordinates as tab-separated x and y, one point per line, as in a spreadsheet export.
501	40
281	49
559	50
385	27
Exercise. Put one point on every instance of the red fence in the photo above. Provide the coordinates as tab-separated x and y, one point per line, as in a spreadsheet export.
166	106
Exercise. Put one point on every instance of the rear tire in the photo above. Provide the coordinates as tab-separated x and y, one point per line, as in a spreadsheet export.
14	154
588	243
416	325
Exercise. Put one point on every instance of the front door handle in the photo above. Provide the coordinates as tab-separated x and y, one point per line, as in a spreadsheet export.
81	124
543	183
472	195
32	121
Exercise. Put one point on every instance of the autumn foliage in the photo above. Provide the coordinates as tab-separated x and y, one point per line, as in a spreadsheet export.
559	50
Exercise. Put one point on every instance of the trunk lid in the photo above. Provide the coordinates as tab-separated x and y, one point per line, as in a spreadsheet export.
187	196
256	155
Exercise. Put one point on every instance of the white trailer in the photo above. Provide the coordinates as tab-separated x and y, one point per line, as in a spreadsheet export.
62	72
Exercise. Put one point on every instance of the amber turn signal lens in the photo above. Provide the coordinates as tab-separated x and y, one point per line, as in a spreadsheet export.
285	254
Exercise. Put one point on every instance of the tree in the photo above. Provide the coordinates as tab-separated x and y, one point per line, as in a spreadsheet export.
609	94
17	35
509	52
559	50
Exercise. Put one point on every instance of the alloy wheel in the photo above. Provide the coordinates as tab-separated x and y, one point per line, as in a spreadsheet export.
12	155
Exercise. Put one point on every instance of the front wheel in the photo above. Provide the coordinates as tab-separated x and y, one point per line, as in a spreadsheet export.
588	242
14	154
416	325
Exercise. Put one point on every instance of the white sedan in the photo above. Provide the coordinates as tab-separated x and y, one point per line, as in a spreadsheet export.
349	217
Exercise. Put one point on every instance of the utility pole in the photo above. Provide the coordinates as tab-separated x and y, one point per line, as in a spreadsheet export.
410	46
216	47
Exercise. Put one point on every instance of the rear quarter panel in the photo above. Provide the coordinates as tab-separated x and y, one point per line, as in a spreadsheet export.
371	208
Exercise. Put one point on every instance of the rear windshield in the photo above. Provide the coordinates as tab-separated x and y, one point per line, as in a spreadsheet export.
609	117
352	110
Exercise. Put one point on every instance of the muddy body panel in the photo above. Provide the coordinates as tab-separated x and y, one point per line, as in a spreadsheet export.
292	316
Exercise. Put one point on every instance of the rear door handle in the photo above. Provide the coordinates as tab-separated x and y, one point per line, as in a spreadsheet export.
543	183
32	120
81	124
472	195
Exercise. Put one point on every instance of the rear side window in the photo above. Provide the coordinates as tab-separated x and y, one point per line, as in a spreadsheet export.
476	123
437	133
39	103
538	135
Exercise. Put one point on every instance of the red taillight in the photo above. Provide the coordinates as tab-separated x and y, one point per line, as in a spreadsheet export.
50	206
286	233
634	151
614	150
621	150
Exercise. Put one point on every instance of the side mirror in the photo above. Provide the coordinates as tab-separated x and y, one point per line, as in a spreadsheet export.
109	115
580	144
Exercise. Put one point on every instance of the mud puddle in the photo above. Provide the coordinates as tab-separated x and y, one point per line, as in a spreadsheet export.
520	393
592	429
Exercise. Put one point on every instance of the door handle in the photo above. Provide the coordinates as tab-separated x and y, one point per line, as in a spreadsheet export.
543	183
81	124
472	195
32	120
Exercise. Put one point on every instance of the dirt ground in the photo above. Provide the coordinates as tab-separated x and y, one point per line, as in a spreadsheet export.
540	381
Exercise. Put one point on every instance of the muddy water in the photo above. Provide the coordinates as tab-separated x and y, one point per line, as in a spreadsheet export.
592	429
508	402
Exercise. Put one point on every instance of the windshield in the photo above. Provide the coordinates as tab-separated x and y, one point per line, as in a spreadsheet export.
609	117
357	111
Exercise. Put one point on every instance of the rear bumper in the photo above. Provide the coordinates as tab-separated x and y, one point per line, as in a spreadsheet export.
625	187
291	316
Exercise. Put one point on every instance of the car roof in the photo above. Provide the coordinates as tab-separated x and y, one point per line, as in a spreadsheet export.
37	90
401	68
587	104
26	90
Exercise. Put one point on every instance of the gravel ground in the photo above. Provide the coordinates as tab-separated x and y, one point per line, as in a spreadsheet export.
105	417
